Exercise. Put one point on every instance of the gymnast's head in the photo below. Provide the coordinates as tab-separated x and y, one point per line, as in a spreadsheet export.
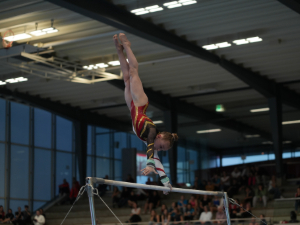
164	141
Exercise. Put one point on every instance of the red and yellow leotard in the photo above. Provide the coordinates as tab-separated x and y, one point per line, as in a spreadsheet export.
146	130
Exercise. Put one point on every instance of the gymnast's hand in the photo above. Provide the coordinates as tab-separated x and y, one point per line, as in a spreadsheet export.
167	184
148	170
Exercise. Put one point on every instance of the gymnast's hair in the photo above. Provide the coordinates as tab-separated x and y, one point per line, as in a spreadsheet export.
172	137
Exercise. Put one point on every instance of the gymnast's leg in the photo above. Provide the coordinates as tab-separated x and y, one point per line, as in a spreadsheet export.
125	70
136	88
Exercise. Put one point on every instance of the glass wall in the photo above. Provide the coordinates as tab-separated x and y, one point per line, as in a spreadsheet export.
34	144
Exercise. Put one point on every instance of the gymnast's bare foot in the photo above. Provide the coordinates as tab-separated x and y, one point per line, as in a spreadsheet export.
119	47
124	39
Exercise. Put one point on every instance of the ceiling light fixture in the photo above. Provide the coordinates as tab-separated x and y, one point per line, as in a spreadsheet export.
290	122
254	39
142	12
208	131
286	142
170	3
259	110
17	37
2	83
252	135
241	42
158	122
15	80
210	47
267	143
156	9
223	45
102	65
174	6
114	63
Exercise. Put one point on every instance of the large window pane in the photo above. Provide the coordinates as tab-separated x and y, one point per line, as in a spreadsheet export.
181	158
37	205
193	161
42	174
14	204
2	201
101	130
118	170
19	123
63	169
19	172
89	140
2	169
102	167
63	134
42	128
102	145
136	143
2	119
89	167
120	139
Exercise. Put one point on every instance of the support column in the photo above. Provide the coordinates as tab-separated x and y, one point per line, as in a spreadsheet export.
171	125
81	148
275	106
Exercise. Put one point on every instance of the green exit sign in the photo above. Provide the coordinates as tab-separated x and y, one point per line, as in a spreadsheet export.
220	108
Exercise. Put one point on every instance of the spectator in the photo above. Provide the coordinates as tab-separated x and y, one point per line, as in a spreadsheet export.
182	203
26	215
293	217
164	218
102	188
205	216
9	217
162	209
225	181
234	209
193	202
251	179
233	189
39	219
189	212
148	182
246	214
135	214
261	195
216	181
132	199
141	194
116	196
177	218
18	217
210	186
42	212
172	211
216	203
64	188
154	218
262	220
249	195
273	189
297	202
153	202
259	176
236	174
221	216
204	202
2	214
76	183
74	192
202	185
130	180
124	197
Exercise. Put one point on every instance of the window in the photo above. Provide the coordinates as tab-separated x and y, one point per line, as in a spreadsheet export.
2	169
19	123
120	140
89	140
63	169
103	167
102	145
63	134
42	128
2	119
14	204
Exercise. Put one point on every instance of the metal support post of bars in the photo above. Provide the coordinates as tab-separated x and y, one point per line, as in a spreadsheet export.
94	180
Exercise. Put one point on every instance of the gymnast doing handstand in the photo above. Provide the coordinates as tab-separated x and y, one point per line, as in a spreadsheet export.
137	102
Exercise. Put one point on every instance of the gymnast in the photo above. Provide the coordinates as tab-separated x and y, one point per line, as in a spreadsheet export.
137	102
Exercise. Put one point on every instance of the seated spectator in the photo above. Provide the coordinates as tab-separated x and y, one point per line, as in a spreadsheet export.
39	219
202	185
154	218
172	211
18	217
293	217
249	195
210	186
205	216
221	216
204	202
273	189
9	217
246	214
42	212
189	212
163	208
116	196
164	218
233	189
135	214
26	215
236	174
76	183
297	202
251	179
2	214
124	197
193	202
225	181
234	209
216	203
262	220
74	192
141	194
64	188
132	199
182	203
216	180
261	195
153	202
177	218
259	175
102	188
130	180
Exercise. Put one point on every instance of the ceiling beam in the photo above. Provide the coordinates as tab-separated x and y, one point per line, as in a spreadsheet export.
292	4
67	111
108	13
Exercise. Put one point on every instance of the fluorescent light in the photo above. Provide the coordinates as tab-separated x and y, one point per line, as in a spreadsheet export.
241	42
90	68
52	31
17	37
208	131
174	6
223	45
95	67
37	33
170	3
20	79
209	47
114	63
158	121
137	10
188	2
102	65
252	136
286	142
156	9
2	83
267	143
16	80
142	12
290	122
254	39
259	110
48	29
152	7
